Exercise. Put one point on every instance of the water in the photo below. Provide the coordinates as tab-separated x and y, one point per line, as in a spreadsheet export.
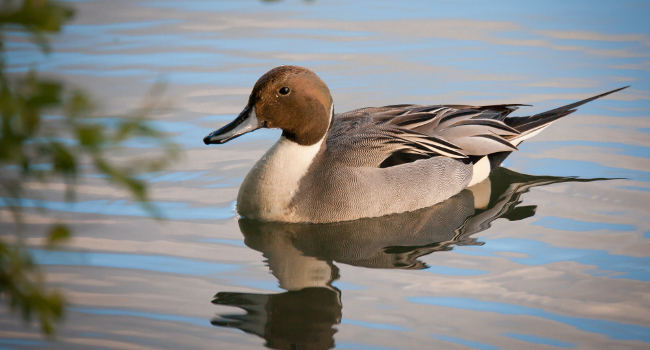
550	261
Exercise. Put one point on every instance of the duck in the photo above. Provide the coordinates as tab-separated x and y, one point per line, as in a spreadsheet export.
368	162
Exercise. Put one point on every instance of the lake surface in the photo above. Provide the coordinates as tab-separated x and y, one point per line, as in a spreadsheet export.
552	259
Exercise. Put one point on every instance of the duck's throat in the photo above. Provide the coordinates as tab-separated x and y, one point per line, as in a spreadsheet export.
273	181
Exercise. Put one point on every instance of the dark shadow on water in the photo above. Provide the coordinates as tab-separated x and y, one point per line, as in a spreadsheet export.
302	256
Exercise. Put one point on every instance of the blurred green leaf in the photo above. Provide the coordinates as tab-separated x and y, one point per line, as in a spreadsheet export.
22	283
77	105
36	16
58	233
63	160
91	136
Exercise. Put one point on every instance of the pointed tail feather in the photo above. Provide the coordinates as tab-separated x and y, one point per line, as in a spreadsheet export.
532	125
529	124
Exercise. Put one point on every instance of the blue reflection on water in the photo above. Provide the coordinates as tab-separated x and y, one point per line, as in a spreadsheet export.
177	176
23	61
540	253
606	147
169	210
156	263
93	29
231	242
581	168
310	32
529	338
22	342
455	271
549	14
202	6
461	341
374	325
360	346
195	321
614	330
568	224
635	188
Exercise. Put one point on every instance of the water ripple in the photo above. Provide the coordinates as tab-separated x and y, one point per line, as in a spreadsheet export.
154	263
611	329
122	207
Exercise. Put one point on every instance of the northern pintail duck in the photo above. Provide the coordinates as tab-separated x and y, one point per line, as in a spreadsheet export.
368	162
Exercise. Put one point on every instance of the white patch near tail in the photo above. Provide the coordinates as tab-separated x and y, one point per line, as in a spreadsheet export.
521	138
480	171
481	192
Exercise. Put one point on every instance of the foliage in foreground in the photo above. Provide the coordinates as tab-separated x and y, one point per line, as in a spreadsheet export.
48	134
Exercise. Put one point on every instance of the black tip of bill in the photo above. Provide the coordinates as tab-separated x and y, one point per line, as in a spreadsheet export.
212	139
246	122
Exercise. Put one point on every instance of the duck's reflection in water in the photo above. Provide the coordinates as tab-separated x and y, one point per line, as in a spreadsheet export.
301	256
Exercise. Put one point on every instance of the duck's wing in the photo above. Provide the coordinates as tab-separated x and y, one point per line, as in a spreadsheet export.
391	135
398	134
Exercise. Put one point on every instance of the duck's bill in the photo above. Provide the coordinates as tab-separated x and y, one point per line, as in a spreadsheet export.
246	122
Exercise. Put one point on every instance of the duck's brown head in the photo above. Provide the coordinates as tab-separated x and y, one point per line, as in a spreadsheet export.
291	98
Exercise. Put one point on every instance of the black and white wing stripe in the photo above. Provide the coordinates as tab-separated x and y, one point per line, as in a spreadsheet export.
465	130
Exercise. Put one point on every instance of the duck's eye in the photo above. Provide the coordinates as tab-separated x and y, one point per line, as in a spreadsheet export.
284	90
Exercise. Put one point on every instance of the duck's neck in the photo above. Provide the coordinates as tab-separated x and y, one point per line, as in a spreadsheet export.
269	187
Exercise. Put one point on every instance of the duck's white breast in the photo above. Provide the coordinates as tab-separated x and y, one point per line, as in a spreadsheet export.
269	187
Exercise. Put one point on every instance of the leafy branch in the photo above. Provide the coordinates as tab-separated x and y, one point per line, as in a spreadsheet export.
36	146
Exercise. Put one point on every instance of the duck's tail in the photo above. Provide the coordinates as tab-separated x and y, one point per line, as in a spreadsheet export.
532	125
